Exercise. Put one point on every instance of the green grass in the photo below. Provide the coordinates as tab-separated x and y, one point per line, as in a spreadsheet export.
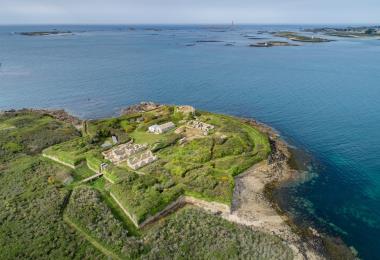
117	173
143	137
72	152
144	196
6	126
82	172
94	160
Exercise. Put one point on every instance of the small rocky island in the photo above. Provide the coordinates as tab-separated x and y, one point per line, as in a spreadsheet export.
272	44
300	38
45	33
349	32
156	182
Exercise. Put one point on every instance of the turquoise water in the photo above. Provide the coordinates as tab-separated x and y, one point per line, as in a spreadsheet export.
323	98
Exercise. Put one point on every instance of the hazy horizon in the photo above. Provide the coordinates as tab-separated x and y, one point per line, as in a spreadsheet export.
23	12
190	24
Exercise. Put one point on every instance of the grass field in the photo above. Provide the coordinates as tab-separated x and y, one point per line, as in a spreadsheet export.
203	167
72	152
82	172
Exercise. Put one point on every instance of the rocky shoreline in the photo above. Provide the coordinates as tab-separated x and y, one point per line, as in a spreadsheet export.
309	243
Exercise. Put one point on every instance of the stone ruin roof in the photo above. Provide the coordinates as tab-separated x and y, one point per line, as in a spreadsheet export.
122	152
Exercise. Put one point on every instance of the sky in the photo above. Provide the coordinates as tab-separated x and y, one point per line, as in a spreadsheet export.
189	11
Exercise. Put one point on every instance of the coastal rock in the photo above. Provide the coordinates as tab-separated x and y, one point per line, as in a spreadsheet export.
138	108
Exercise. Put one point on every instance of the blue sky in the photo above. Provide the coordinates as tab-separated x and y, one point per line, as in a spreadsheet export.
189	11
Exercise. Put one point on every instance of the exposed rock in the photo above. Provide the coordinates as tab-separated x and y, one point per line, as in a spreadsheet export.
142	107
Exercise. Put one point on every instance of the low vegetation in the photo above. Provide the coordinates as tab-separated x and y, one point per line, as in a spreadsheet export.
202	166
87	211
47	212
143	196
175	237
194	234
27	133
31	224
72	152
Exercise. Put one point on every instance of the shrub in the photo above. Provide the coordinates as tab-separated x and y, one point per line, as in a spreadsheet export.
87	210
193	234
33	132
142	197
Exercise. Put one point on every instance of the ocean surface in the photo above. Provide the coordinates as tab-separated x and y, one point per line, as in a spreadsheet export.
324	98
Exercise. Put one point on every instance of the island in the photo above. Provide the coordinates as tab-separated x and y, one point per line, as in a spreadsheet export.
157	182
208	41
272	44
349	32
45	33
300	38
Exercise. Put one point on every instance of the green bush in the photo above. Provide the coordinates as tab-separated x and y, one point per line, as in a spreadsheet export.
12	147
127	126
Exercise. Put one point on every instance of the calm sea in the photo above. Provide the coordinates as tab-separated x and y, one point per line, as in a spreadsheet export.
323	98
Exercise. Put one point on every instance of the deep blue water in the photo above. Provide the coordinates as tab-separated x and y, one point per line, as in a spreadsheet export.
323	98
